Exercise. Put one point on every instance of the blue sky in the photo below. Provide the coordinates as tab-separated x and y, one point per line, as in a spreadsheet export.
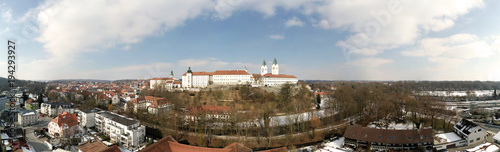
312	39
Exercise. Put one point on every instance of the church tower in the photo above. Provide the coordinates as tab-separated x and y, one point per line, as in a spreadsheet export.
276	68
263	68
171	74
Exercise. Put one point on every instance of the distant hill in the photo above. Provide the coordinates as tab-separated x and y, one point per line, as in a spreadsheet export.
33	86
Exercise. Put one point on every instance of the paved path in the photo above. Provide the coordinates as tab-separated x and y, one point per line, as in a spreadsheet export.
38	143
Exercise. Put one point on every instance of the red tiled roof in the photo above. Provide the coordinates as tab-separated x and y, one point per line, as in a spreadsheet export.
92	147
282	149
320	93
230	72
66	118
169	144
29	101
199	73
113	148
177	82
278	75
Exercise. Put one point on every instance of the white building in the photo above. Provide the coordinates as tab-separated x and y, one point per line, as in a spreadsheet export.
166	83
274	78
153	105
192	79
27	118
86	118
124	131
54	108
231	77
469	131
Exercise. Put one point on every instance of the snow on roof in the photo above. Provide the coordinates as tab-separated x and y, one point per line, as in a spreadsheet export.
446	137
486	147
335	144
497	136
329	149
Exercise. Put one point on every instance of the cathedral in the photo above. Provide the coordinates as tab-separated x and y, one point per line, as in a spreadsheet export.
201	79
274	78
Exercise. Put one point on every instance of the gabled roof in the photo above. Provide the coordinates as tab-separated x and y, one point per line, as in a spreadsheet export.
389	135
465	126
96	146
169	144
230	72
199	73
269	75
66	118
118	118
113	148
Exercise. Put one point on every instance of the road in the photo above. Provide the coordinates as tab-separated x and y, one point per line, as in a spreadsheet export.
38	143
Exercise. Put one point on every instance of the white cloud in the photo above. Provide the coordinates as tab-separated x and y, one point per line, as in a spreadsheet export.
225	8
458	46
276	37
370	62
68	29
294	21
389	24
365	51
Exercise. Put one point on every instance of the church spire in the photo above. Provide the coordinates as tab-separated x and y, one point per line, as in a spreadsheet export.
264	62
275	62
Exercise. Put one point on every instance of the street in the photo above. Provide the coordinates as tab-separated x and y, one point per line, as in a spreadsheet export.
38	143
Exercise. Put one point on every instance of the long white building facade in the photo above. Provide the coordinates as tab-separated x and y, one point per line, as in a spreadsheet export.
202	79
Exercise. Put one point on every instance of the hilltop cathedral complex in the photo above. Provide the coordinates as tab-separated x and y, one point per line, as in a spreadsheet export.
193	79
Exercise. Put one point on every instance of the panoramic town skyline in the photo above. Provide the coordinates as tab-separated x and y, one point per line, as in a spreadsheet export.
313	40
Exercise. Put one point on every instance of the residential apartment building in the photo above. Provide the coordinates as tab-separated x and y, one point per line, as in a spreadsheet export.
64	125
123	131
153	105
31	104
27	117
469	131
55	108
86	118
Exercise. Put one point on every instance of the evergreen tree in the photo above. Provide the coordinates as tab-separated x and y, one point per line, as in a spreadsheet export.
318	101
40	100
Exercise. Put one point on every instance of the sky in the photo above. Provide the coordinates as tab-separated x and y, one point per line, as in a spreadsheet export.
311	39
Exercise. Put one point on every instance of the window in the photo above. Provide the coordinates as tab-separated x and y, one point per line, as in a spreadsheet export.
379	137
389	137
471	141
478	139
409	137
394	137
479	130
366	135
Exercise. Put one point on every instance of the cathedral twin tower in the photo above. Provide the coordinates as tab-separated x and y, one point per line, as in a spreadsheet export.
275	71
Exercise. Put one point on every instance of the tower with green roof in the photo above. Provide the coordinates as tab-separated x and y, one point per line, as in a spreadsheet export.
276	68
263	68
